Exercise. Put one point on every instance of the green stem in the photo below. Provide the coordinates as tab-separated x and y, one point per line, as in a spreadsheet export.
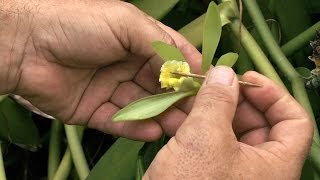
2	169
280	59
256	54
234	6
193	31
283	63
77	153
65	166
301	40
54	147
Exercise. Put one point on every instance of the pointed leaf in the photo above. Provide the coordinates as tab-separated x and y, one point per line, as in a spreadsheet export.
149	106
167	52
17	126
211	36
119	162
228	59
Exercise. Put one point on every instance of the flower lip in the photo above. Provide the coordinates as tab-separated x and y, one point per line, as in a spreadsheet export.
170	80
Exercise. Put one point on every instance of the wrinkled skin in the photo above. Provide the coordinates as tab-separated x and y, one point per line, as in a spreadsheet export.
257	133
81	61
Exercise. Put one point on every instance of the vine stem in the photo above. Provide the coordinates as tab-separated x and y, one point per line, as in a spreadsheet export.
193	31
54	147
301	40
2	169
77	153
283	63
65	166
254	51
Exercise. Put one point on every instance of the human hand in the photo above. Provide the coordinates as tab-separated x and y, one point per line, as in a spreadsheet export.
81	61
259	133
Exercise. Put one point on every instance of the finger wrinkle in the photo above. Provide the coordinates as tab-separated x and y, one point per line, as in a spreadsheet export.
255	136
146	79
247	118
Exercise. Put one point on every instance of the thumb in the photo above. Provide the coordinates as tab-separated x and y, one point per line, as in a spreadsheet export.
214	107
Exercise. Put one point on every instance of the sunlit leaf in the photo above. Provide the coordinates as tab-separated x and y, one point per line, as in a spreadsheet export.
228	59
304	72
17	126
167	52
211	35
119	162
155	8
149	106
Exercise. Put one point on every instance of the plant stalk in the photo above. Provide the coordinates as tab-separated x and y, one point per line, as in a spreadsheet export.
254	51
283	63
54	147
65	166
280	59
301	40
2	169
193	31
77	153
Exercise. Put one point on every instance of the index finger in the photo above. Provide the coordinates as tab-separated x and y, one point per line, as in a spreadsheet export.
290	124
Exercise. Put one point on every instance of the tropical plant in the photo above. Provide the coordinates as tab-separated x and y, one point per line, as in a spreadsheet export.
259	35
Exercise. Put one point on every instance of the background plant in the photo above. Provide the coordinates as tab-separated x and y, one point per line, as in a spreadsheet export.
274	41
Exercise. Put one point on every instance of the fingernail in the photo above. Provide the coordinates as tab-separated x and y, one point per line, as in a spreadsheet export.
221	75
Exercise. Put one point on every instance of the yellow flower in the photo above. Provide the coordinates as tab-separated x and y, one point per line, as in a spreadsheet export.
169	80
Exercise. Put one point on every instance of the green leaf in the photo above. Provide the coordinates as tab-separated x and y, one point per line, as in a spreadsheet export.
17	126
228	59
167	52
119	162
211	35
149	106
304	72
155	8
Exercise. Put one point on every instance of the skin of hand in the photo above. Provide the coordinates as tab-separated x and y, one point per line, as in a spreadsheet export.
251	133
81	61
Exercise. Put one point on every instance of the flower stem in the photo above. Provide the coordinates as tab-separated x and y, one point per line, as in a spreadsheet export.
2	169
301	40
54	147
283	63
77	153
256	54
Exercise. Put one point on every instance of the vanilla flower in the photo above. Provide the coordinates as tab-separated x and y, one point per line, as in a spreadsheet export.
177	82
